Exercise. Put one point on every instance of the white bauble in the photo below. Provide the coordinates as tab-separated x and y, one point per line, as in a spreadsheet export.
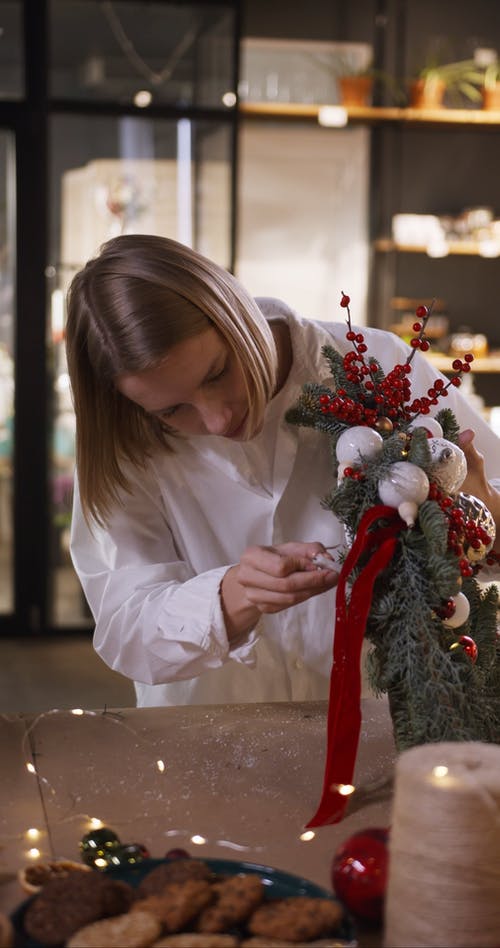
428	422
357	443
408	511
448	466
461	614
403	482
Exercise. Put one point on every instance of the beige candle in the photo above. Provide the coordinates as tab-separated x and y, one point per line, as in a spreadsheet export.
444	870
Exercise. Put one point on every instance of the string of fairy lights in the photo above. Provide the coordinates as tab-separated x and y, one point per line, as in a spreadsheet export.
36	839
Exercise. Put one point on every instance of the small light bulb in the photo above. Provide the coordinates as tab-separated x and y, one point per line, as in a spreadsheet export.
95	822
198	840
33	833
345	789
77	711
161	766
440	771
143	98
100	863
34	853
308	835
229	99
30	768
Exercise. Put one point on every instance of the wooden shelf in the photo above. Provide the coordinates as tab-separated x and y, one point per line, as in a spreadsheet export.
488	364
464	247
445	116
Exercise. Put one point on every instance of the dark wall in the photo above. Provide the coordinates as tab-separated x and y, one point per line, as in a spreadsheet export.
319	20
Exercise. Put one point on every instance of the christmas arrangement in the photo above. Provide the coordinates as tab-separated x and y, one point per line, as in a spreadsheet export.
415	545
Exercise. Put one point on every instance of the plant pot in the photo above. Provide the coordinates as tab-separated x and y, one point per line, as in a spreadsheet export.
427	93
355	90
491	98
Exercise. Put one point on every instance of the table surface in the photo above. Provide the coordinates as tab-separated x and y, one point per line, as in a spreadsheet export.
242	779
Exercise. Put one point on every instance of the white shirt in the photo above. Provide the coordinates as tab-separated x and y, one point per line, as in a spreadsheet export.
152	578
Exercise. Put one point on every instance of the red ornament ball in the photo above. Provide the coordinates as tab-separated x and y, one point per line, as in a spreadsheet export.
359	873
469	646
177	853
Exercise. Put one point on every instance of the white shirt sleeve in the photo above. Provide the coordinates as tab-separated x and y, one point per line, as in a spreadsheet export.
156	622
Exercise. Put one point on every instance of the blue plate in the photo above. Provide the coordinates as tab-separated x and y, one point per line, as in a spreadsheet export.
278	885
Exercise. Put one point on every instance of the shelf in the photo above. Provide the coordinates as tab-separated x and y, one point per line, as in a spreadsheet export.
488	364
463	247
445	116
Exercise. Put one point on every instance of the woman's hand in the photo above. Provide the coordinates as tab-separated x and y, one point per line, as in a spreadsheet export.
271	578
476	482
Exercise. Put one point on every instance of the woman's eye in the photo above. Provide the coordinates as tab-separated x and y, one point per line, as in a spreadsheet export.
170	412
215	378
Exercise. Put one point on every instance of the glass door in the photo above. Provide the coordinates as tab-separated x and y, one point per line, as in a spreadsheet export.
141	139
116	116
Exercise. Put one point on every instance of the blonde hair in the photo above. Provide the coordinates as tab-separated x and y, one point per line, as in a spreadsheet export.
127	307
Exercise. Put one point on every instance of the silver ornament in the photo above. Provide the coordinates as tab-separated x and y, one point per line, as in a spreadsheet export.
475	510
448	465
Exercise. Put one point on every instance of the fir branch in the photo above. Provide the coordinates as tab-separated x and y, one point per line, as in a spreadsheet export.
449	424
418	452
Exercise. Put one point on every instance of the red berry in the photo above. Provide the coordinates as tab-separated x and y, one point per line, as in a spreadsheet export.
469	357
345	300
421	312
417	327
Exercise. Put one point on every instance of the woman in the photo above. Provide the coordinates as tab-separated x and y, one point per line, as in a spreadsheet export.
197	510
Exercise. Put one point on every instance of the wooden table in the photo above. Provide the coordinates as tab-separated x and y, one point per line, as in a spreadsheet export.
223	781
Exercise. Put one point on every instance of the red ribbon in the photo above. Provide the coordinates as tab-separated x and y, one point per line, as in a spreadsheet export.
344	708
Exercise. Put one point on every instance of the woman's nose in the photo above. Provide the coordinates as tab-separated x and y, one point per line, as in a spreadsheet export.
216	418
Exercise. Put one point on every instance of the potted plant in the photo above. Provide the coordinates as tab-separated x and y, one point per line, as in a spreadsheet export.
355	79
459	79
491	86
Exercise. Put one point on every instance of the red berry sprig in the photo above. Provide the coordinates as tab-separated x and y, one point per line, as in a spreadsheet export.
423	313
389	397
462	533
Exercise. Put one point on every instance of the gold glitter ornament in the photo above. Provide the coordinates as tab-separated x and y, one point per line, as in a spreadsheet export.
384	424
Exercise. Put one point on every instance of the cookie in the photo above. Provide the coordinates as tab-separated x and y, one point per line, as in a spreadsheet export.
296	919
65	905
236	899
32	878
178	870
260	941
178	903
132	930
197	940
